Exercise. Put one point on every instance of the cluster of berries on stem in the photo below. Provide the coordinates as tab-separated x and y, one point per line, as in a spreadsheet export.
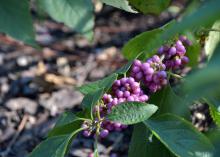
151	74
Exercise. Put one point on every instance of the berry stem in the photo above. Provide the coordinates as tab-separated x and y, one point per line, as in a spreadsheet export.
91	113
96	142
124	74
84	119
98	126
174	75
162	58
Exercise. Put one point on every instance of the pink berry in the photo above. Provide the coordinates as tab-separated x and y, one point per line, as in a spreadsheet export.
104	133
137	62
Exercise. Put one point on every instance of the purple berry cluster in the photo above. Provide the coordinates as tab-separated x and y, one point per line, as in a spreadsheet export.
174	56
152	73
123	90
127	89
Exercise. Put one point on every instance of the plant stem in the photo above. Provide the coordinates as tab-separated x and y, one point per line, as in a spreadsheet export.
97	128
91	113
174	75
96	143
85	119
124	74
99	119
162	58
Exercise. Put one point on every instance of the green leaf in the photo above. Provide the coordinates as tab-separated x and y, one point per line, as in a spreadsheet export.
16	20
213	40
180	136
56	146
214	136
193	51
67	123
91	99
205	15
65	118
150	6
78	15
205	80
144	43
168	102
125	68
148	41
215	114
122	4
202	83
105	83
143	144
132	112
214	107
52	147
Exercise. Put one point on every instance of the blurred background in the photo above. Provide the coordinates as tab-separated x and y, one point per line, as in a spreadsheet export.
37	85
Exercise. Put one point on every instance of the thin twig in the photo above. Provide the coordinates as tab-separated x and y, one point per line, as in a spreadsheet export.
19	130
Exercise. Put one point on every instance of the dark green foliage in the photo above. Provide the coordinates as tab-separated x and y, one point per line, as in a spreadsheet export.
132	112
16	20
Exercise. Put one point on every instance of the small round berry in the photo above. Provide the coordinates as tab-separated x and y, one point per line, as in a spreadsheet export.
137	91
149	71
161	50
86	133
130	98
123	80
121	100
163	67
109	105
182	38
162	74
114	101
135	69
156	79
119	94
137	62
178	43
181	50
139	75
143	98
135	85
177	62
172	51
148	78
131	80
185	60
117	83
104	133
127	94
117	125
156	58
145	66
